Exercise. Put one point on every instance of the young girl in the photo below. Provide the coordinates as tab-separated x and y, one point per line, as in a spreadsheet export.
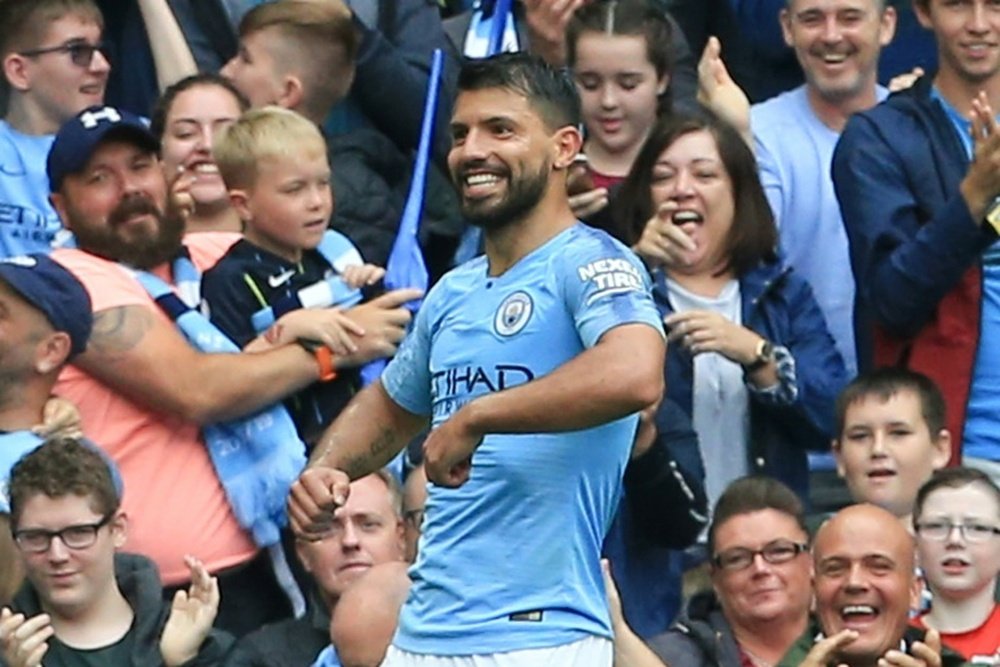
619	52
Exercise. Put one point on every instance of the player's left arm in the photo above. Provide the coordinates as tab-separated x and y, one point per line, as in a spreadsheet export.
620	375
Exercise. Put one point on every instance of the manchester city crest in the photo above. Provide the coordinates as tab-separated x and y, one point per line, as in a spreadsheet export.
513	314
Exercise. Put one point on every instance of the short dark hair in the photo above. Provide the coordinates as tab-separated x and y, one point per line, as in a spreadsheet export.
884	383
62	467
636	18
549	91
158	118
952	478
754	494
753	237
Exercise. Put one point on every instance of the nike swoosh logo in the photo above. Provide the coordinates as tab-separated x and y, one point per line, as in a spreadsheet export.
277	281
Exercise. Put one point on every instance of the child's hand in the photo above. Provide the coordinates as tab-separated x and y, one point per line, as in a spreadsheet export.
329	326
60	419
192	613
359	276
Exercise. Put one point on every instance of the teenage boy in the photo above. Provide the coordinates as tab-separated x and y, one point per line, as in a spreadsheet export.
957	521
891	437
274	163
83	603
52	69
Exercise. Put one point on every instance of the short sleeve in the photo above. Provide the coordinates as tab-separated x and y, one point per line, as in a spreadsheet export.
108	284
407	378
605	285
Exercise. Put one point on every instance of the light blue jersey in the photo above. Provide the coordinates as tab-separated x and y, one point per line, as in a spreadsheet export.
28	223
509	560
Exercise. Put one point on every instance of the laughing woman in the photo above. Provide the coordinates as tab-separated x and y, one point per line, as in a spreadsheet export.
751	361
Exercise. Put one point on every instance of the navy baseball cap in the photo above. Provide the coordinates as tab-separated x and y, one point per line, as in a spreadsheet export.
78	137
52	289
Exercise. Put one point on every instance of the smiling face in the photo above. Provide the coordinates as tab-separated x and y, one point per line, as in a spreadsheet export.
501	156
762	592
864	580
194	118
55	87
690	175
837	42
366	531
955	567
967	33
70	581
287	209
115	206
886	450
619	90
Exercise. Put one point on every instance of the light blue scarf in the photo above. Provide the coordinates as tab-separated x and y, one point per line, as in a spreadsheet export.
256	457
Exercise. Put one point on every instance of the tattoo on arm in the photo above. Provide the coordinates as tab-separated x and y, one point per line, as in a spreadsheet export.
376	456
119	330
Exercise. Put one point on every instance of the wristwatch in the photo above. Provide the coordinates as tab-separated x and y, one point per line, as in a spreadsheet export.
762	357
993	214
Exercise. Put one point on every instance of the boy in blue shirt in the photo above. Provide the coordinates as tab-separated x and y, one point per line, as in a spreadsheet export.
274	163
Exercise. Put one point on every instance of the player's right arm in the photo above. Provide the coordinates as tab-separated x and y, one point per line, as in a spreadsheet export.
371	430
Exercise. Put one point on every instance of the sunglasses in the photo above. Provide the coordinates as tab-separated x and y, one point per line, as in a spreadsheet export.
81	53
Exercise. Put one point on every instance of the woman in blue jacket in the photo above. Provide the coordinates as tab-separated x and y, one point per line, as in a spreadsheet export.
751	359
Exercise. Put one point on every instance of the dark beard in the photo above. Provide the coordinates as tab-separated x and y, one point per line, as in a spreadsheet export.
143	251
522	196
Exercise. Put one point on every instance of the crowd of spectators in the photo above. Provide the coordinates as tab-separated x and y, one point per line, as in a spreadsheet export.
198	204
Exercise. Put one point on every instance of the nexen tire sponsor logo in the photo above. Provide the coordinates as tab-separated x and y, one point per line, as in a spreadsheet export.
611	276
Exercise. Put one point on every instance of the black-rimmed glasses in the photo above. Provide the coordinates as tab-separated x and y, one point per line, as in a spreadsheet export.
970	532
81	53
79	536
776	552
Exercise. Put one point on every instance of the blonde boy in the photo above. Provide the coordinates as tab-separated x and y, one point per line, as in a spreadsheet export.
274	164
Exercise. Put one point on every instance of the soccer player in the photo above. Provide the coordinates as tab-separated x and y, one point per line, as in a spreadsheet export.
530	362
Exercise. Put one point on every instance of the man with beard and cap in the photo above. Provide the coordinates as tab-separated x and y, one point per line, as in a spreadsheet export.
865	585
530	363
144	392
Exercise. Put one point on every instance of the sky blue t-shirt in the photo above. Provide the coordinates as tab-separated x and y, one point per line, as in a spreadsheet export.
13	446
509	560
794	153
981	438
28	223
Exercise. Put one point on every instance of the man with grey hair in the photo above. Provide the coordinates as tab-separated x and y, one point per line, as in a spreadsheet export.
366	531
837	43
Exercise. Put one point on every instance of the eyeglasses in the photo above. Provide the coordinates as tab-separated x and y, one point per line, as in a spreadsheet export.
776	552
81	53
79	536
414	517
971	532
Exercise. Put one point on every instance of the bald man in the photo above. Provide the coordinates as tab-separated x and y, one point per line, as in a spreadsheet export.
864	585
364	622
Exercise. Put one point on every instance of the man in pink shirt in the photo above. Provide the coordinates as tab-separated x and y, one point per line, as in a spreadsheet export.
143	391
